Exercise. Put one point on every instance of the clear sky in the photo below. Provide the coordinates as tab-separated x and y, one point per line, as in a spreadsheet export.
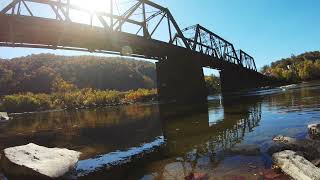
266	29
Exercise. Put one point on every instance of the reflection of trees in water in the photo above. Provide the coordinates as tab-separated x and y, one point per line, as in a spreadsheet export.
71	120
89	131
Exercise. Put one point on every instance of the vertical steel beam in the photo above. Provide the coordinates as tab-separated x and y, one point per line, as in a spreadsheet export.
169	26
111	12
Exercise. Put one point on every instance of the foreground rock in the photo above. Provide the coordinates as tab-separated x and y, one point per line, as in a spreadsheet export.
296	166
310	148
314	130
34	160
246	149
4	116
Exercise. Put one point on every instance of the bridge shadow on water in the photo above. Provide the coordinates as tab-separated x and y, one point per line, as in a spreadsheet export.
133	141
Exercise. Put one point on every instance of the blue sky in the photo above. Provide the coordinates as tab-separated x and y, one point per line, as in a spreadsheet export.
266	29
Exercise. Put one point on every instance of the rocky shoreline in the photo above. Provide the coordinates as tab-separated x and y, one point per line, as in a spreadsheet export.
292	158
298	158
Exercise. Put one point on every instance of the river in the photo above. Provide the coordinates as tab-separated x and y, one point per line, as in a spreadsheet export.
170	141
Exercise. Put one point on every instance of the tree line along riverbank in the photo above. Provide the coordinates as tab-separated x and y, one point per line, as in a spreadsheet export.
66	95
303	67
46	81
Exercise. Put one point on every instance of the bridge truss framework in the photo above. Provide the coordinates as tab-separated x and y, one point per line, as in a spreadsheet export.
150	21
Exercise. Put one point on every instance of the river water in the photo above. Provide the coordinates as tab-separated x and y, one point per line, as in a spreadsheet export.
170	141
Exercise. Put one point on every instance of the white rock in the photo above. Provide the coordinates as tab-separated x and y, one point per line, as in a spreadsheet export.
296	166
50	162
4	116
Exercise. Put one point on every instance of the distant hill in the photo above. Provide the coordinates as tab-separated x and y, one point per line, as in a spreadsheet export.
35	73
303	67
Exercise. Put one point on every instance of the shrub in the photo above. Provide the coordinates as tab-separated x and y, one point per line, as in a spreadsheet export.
73	99
20	102
140	95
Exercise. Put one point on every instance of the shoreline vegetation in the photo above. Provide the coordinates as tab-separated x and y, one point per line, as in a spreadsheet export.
80	98
49	82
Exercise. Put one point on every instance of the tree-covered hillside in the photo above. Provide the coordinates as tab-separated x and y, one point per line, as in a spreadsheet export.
36	73
303	67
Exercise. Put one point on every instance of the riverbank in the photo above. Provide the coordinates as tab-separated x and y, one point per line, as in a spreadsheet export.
76	99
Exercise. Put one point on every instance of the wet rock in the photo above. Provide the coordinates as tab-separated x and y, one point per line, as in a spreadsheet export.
275	148
237	167
4	116
197	176
310	148
316	162
152	176
2	177
246	149
314	130
271	174
296	166
33	160
177	171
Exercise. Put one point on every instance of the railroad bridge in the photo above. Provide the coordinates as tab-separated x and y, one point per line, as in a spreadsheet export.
142	29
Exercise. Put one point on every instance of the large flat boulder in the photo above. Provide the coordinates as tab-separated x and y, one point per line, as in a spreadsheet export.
34	160
296	166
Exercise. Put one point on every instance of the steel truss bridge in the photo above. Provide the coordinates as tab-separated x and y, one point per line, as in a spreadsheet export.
137	28
141	28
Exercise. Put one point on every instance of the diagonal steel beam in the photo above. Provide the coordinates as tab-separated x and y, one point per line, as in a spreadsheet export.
9	6
127	15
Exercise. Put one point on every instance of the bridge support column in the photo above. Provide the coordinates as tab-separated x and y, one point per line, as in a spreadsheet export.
181	79
236	78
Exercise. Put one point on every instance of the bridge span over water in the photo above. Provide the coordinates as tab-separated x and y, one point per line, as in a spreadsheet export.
142	29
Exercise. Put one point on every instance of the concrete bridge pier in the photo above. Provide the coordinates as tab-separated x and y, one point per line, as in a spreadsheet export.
181	79
237	78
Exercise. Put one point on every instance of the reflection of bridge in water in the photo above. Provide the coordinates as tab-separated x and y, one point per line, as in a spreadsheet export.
192	130
119	139
187	134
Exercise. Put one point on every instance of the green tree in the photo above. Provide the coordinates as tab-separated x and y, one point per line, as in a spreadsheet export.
212	83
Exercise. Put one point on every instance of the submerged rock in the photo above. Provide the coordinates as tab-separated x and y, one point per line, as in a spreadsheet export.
296	166
246	149
314	130
177	170
4	116
2	177
197	176
34	160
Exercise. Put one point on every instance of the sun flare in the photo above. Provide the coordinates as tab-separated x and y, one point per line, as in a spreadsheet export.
92	5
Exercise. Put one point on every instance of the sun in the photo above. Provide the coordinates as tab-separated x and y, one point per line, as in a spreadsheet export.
92	5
